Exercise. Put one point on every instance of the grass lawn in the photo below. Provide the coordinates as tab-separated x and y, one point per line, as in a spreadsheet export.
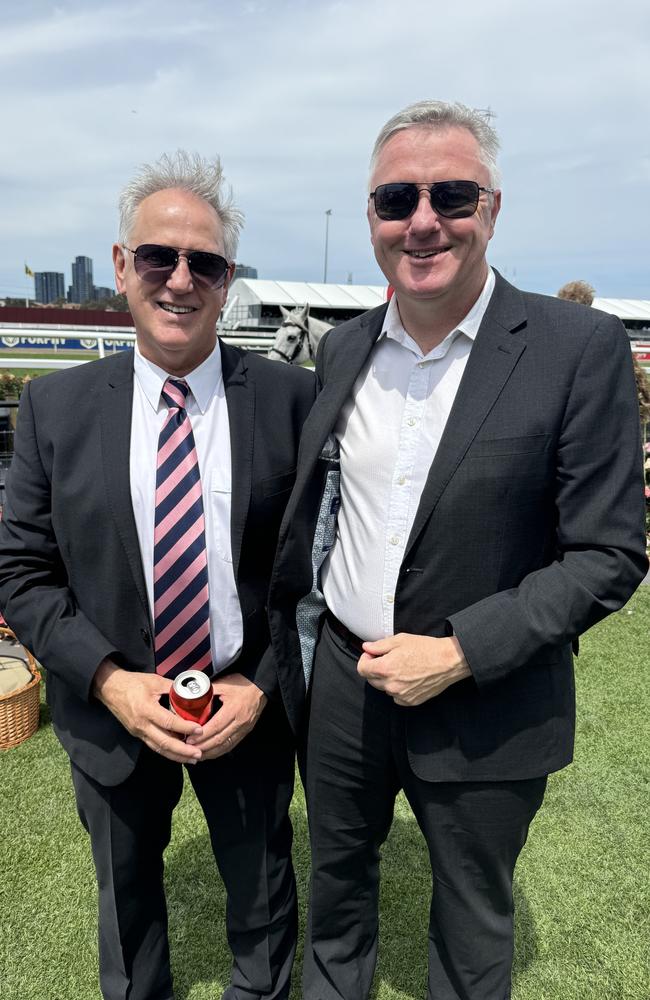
582	884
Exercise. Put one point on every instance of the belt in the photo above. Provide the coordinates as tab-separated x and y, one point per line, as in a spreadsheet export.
343	632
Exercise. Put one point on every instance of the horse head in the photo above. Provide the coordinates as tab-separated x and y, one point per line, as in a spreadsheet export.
291	343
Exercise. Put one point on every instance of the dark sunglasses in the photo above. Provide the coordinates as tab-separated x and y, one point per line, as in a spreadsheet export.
156	264
451	199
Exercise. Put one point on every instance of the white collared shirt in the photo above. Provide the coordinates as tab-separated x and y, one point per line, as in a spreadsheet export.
388	434
208	412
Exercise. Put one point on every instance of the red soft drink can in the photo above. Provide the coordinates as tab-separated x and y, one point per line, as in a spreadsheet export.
190	696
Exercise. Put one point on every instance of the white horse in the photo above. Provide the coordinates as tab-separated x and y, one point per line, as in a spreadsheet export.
298	336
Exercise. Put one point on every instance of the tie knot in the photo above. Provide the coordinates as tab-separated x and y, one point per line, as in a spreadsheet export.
175	392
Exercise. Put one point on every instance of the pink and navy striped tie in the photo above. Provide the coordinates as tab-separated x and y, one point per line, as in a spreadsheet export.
180	571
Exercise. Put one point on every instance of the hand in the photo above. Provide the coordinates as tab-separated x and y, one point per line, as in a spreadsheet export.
242	703
412	668
134	699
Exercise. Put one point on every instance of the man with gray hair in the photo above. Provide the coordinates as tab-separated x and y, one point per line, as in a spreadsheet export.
468	501
139	529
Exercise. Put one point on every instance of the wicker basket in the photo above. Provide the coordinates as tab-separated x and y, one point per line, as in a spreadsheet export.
19	710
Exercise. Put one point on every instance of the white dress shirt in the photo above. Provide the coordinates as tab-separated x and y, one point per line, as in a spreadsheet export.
208	412
388	434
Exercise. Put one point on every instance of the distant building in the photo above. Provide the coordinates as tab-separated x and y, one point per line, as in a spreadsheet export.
244	271
49	286
82	287
100	292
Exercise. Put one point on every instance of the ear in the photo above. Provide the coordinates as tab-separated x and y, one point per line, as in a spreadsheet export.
285	312
495	209
371	217
230	273
119	263
304	312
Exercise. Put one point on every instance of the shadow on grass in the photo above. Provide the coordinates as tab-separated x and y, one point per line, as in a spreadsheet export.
404	915
197	901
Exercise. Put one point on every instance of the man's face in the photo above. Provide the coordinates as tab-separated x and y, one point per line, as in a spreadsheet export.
175	320
427	257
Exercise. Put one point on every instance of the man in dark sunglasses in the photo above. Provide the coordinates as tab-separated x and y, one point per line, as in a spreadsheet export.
468	502
138	536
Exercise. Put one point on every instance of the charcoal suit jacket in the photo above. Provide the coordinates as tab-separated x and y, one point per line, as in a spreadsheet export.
530	529
71	579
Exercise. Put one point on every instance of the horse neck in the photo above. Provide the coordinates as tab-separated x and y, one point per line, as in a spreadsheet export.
317	330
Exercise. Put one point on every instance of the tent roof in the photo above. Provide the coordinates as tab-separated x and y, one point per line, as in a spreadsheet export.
297	293
638	309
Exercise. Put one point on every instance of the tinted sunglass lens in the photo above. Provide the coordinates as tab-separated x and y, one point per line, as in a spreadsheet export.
395	201
156	263
151	261
209	269
455	199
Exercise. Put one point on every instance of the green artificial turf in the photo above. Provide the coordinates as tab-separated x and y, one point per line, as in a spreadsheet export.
582	884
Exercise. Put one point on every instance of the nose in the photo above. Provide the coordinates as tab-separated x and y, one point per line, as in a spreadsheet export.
180	280
424	219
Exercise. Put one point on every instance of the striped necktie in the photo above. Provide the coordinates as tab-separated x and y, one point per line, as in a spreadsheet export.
180	571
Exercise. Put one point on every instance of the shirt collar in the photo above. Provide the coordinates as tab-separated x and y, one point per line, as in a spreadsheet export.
203	381
469	325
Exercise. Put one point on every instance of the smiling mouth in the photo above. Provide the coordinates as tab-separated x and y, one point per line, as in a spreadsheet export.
176	310
425	254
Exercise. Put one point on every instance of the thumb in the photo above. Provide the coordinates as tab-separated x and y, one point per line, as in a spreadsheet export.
378	647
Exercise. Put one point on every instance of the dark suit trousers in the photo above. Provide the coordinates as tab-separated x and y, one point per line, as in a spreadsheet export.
245	797
356	764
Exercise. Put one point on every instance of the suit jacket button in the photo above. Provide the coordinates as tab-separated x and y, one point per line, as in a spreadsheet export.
146	638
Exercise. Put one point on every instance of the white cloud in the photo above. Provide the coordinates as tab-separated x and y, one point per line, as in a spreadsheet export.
292	94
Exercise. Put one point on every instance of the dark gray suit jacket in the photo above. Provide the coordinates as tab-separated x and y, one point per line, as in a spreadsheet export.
71	580
529	528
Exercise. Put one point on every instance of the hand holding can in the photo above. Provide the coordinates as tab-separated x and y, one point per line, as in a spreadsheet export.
190	696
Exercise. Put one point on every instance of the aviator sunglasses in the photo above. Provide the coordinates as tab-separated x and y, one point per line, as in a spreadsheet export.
156	264
450	199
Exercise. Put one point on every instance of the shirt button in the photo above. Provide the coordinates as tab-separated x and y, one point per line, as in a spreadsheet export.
411	421
401	480
421	364
394	540
390	599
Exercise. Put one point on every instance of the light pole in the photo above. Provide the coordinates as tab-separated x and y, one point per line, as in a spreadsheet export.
328	212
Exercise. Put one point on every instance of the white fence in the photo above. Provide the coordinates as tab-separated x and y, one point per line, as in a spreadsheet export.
104	340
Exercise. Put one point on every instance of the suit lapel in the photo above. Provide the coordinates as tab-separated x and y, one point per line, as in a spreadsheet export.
240	400
489	366
351	355
116	409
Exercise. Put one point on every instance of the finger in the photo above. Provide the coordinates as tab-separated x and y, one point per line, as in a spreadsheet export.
220	721
172	748
221	748
220	741
224	741
377	647
172	723
366	665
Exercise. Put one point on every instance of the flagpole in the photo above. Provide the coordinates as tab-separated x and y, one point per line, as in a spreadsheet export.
29	274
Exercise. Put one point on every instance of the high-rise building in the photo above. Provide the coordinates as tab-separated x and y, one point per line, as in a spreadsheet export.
101	292
245	271
82	288
48	286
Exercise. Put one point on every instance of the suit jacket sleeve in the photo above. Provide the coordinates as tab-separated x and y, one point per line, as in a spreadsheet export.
34	593
300	387
598	500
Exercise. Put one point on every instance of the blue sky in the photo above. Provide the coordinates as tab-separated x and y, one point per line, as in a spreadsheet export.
292	94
